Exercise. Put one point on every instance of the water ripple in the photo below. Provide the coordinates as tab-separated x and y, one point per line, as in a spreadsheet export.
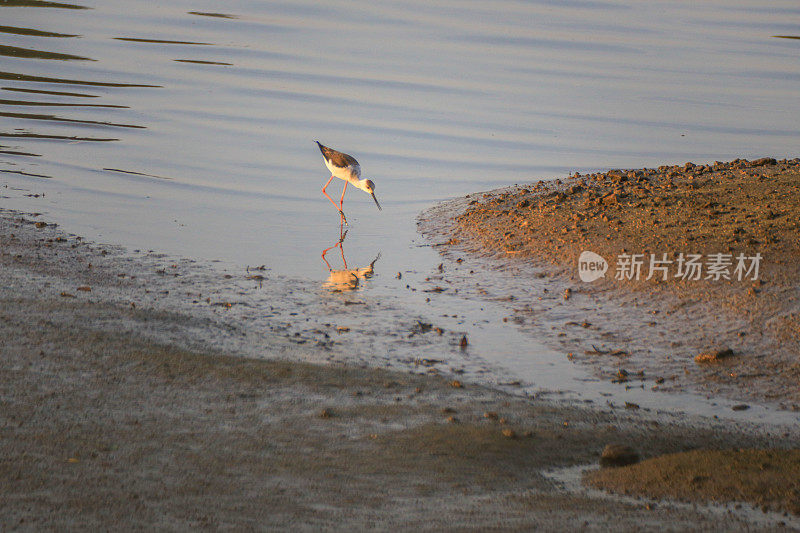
54	118
46	79
33	33
160	41
215	15
57	104
27	53
40	3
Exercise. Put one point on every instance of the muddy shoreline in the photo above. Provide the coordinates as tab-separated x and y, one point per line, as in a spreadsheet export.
649	332
119	407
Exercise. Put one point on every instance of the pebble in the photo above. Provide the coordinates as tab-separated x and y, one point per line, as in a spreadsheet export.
615	455
713	356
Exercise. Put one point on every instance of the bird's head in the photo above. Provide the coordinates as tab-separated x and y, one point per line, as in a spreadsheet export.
368	186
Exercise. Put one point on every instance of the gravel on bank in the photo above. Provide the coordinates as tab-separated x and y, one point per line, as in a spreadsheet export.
711	251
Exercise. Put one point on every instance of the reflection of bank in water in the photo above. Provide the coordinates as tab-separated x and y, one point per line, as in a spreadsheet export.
346	279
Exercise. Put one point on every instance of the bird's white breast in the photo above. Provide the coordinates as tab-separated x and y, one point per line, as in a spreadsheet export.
350	173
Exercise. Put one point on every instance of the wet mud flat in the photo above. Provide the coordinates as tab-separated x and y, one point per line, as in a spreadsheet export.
719	328
118	410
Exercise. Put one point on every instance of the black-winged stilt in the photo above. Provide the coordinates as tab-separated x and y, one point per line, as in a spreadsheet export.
345	167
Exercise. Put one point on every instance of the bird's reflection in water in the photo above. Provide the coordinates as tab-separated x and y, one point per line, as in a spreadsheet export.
346	278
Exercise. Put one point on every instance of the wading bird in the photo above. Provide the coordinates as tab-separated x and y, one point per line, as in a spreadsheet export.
345	167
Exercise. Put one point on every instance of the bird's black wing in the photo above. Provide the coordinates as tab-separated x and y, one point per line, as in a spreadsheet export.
337	159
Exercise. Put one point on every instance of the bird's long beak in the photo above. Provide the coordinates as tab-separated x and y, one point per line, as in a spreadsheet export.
376	202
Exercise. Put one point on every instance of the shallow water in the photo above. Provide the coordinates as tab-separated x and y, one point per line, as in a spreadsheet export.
174	127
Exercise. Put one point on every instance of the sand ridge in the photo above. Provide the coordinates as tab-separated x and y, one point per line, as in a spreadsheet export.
658	326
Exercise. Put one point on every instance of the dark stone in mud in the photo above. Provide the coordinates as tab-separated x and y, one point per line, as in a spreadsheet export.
741	407
763	161
615	455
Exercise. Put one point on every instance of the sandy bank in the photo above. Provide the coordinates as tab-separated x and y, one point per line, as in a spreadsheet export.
105	423
652	315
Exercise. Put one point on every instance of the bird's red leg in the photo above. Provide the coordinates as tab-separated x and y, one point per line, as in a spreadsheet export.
341	203
325	251
338	208
326	194
341	249
341	200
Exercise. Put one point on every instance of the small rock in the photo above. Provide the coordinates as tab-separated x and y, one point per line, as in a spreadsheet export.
609	199
763	161
509	433
326	413
615	455
490	414
713	356
741	407
457	384
424	327
464	343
